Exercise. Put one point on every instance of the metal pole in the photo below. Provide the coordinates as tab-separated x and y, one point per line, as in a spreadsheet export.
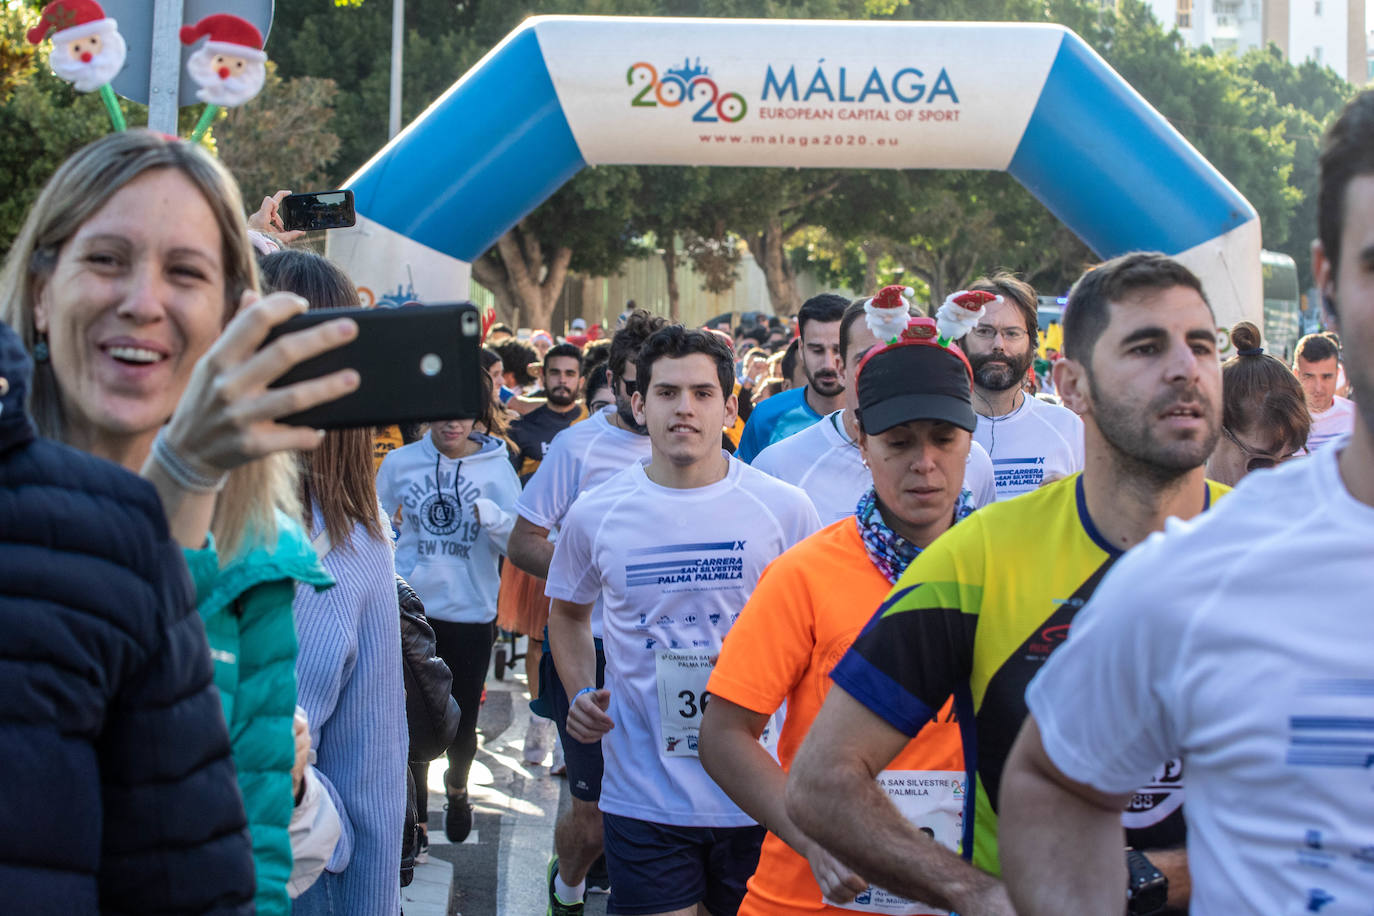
398	18
164	83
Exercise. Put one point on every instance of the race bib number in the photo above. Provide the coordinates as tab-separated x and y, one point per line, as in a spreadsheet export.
932	800
682	697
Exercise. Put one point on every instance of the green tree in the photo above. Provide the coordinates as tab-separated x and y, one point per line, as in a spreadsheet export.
282	138
1310	96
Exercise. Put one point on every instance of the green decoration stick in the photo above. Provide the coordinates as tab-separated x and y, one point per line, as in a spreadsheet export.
204	123
107	95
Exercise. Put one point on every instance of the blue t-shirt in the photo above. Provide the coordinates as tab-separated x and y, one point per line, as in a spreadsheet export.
776	418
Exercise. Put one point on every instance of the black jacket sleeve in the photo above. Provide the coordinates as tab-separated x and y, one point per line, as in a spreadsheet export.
431	711
175	833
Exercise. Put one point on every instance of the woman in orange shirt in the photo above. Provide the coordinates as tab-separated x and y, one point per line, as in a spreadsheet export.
916	421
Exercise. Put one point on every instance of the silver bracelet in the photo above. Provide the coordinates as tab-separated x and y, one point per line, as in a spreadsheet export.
181	471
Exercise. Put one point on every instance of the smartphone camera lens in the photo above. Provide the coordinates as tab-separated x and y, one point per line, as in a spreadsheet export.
430	364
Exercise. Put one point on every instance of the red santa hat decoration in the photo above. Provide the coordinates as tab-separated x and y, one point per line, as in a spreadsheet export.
228	35
87	49
230	67
70	20
888	313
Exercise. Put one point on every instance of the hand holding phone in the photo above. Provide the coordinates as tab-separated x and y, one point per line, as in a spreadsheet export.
318	210
229	413
415	364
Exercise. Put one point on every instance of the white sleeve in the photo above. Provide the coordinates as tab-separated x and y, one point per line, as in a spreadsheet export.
315	829
978	476
552	489
386	486
1106	702
768	462
805	521
572	574
1075	437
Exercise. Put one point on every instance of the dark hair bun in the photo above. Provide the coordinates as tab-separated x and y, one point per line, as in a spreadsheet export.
1245	336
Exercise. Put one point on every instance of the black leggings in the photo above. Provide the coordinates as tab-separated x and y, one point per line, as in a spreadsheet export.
466	649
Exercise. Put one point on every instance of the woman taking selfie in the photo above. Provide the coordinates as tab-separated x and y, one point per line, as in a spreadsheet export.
348	669
133	285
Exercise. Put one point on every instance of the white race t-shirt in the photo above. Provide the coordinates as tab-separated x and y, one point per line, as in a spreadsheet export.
824	462
579	458
1037	440
674	568
1331	424
1241	642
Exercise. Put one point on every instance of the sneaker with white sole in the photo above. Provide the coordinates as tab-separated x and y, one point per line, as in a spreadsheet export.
556	905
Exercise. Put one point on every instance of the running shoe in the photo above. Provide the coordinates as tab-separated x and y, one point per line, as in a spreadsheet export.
422	845
457	816
556	906
537	735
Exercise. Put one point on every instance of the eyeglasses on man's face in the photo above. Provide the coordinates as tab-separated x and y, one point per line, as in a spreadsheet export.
987	333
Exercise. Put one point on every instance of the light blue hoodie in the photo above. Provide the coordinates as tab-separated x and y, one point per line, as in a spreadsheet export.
442	550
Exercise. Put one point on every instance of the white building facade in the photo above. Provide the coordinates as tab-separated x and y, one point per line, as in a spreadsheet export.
1329	32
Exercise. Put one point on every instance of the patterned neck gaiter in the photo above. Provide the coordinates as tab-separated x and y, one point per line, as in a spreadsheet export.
889	551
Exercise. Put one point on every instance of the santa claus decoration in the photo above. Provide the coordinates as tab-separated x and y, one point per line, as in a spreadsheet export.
87	49
230	67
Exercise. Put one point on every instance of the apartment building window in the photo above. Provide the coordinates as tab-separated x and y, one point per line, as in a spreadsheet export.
1183	18
1317	7
1317	54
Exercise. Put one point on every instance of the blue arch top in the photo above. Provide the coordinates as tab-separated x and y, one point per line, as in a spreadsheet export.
488	151
1113	169
501	140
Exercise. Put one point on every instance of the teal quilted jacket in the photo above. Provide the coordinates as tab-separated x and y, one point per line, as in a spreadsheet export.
246	607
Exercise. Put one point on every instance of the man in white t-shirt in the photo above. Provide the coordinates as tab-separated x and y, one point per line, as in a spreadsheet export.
824	460
673	547
579	458
1317	363
1031	442
1240	642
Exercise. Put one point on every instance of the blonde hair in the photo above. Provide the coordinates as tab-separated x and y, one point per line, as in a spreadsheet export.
245	510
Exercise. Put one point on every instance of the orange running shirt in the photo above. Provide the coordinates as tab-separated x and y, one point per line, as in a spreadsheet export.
808	608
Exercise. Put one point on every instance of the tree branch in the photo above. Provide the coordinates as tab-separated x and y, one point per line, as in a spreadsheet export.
810	197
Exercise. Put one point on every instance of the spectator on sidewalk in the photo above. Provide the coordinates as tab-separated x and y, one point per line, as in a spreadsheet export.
114	755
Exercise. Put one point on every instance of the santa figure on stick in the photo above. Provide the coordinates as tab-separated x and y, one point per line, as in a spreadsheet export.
87	49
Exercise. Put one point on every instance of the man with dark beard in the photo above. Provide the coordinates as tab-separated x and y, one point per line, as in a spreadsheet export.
797	408
1031	442
532	433
977	614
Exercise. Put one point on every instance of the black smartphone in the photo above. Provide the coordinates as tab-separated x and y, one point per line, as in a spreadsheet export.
320	210
418	364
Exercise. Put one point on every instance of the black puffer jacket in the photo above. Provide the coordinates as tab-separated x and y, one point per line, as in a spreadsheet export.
431	711
117	792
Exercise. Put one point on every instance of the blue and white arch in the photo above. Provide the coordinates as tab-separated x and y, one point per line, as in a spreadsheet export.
561	93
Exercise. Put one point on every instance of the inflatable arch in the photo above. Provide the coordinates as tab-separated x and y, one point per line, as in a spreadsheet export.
561	93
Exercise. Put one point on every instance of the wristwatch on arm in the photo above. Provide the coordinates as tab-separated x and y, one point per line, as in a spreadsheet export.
1147	889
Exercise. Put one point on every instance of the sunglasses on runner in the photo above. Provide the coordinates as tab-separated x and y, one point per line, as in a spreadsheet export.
1258	461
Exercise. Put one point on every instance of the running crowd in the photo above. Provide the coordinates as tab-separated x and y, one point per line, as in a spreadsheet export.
873	623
